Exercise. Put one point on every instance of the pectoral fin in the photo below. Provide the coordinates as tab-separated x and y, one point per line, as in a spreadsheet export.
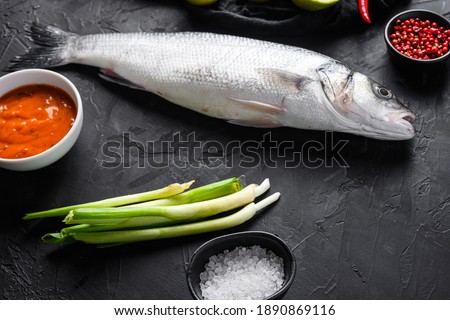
259	106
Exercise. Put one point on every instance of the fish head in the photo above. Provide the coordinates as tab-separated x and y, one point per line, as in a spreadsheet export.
364	106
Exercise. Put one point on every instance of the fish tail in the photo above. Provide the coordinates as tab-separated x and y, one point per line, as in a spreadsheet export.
52	48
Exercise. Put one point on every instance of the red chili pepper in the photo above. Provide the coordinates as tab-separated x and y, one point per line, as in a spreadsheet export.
364	10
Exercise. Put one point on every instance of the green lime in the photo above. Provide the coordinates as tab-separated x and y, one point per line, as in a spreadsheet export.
201	2
314	5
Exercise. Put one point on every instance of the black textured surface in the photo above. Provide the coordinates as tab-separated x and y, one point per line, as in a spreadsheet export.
283	17
378	229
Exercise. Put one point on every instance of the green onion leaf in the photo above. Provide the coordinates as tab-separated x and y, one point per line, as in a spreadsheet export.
128	236
168	191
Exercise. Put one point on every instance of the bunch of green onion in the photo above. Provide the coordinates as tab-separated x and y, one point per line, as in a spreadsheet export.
164	213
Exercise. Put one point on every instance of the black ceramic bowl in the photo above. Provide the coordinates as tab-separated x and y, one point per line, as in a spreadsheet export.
245	239
423	15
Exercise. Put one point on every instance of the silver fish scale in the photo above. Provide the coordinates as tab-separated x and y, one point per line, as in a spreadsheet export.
207	72
245	81
197	59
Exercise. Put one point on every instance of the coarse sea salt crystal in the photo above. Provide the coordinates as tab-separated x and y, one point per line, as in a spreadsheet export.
244	273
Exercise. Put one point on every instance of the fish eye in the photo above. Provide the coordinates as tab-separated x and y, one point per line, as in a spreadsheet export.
382	92
385	92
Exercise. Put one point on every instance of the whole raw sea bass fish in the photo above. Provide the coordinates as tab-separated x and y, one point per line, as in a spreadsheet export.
244	81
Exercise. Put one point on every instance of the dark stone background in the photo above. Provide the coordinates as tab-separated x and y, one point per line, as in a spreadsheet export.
378	229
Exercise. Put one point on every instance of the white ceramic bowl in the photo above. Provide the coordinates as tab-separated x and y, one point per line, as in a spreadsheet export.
41	76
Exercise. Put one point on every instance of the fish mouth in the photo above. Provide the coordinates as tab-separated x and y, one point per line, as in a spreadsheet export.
410	117
404	120
395	126
402	117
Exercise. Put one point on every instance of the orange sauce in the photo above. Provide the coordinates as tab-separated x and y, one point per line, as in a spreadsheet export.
33	118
